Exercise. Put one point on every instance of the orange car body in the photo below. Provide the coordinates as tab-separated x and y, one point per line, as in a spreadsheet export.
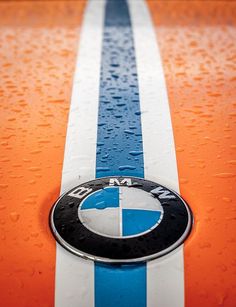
38	42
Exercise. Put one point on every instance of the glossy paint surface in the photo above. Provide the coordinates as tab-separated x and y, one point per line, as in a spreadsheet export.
38	46
39	43
197	44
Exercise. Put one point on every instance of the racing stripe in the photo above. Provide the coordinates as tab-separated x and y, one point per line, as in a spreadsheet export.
165	276
38	47
119	145
119	138
198	48
74	275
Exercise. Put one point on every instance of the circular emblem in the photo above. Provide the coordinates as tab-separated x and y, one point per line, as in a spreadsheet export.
120	219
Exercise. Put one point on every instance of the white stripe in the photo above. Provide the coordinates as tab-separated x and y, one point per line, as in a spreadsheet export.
80	150
165	277
165	281
74	280
75	276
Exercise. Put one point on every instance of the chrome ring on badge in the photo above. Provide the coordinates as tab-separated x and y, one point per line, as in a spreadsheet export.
120	220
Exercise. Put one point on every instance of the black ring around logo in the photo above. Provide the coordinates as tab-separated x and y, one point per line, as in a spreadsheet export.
70	232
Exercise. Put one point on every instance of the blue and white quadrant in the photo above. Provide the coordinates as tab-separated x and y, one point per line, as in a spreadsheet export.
120	212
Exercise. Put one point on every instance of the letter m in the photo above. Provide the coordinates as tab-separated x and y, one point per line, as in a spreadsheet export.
115	181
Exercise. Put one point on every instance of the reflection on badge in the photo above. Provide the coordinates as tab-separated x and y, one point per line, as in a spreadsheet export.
120	220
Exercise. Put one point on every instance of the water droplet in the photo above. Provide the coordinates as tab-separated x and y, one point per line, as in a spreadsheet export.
126	167
102	169
14	216
128	132
136	153
224	175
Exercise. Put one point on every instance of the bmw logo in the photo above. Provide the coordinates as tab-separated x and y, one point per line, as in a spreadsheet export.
120	220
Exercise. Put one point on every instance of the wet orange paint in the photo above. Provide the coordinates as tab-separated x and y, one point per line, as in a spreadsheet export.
197	44
38	46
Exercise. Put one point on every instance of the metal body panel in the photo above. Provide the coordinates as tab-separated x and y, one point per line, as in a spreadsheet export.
195	71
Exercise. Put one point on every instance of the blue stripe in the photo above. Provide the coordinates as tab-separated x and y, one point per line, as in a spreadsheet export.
119	136
120	287
119	145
